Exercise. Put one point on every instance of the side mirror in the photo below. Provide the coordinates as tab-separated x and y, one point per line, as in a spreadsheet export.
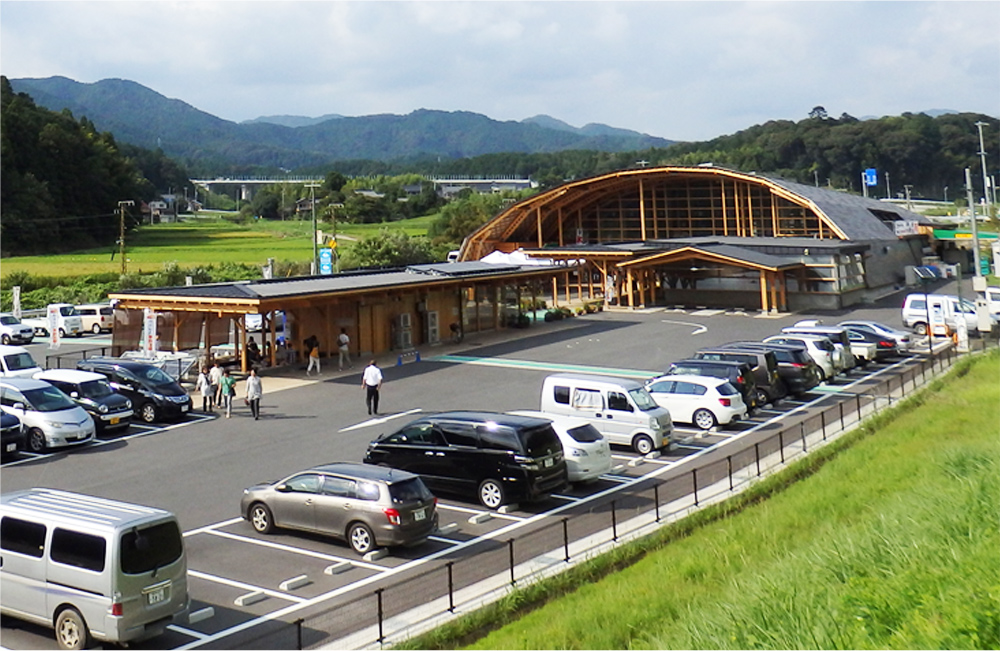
19	406
74	394
282	488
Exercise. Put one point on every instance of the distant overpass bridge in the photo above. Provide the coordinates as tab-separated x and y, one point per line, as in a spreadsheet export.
248	183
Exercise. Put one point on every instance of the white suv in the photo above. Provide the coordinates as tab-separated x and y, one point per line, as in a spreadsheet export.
12	331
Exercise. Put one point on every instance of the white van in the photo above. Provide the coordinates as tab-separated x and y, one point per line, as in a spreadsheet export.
96	317
68	322
91	567
17	362
944	311
620	409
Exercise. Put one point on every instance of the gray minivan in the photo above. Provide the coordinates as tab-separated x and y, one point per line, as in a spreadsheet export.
90	567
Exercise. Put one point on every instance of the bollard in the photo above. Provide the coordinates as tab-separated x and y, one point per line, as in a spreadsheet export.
729	464
510	548
694	483
802	434
298	632
451	588
381	633
656	500
565	525
614	522
756	453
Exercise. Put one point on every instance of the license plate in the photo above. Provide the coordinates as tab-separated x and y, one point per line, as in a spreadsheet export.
548	463
156	596
114	421
12	447
184	408
419	515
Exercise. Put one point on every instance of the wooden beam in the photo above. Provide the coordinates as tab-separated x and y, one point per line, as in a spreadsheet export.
763	291
642	210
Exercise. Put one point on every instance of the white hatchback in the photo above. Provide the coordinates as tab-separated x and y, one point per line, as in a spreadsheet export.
587	452
703	401
50	418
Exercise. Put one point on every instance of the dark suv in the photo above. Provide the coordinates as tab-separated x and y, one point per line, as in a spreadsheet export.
500	458
763	363
154	394
738	374
795	367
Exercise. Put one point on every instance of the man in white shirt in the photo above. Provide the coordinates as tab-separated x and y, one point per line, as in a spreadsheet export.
371	382
344	348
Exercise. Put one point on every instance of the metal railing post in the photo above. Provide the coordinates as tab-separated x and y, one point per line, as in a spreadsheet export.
656	500
614	522
781	445
694	483
756	453
451	588
381	633
565	525
729	464
822	422
510	550
802	435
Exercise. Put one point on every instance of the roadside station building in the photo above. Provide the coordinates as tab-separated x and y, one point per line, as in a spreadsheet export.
710	236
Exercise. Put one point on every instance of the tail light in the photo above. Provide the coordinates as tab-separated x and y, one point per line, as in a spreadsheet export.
797	365
725	402
739	379
885	344
392	515
116	609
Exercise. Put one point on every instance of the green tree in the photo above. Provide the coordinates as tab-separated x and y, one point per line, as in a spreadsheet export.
388	248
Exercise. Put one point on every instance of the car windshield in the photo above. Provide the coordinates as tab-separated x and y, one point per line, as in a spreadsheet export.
584	433
68	310
538	441
411	490
9	320
155	376
726	389
95	389
19	362
48	399
642	399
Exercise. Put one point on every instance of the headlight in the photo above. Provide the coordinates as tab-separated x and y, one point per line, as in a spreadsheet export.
102	408
54	424
655	424
128	404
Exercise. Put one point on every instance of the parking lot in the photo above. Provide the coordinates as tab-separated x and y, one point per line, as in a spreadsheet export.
198	467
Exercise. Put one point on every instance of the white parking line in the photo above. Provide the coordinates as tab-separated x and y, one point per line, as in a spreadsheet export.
618	478
379	421
296	550
187	631
245	586
210	527
462	509
568	498
447	541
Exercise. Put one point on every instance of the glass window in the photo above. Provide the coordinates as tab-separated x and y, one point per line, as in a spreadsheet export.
584	433
498	437
22	537
304	483
618	401
587	399
726	389
9	397
411	490
78	549
95	389
144	550
48	399
68	310
460	434
642	399
366	490
341	487
419	434
663	386
561	395
19	361
540	441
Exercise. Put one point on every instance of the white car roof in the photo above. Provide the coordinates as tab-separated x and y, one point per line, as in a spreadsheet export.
704	380
69	375
24	383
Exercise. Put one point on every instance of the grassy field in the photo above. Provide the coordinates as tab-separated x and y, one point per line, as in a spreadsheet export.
892	542
203	241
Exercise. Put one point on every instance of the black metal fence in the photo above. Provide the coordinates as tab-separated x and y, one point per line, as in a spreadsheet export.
473	575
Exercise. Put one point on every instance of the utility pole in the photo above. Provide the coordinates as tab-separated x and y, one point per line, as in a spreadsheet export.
975	226
312	196
909	206
986	181
121	230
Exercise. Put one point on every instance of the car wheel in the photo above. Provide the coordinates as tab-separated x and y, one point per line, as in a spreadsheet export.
96	329
491	494
5	339
762	398
71	630
62	333
36	440
147	412
704	419
361	538
920	328
261	519
642	444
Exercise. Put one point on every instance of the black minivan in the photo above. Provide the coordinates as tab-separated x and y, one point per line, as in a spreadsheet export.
795	367
154	394
764	365
500	458
738	374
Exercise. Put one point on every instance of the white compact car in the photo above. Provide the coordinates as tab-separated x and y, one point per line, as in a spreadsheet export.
50	418
587	452
703	401
12	331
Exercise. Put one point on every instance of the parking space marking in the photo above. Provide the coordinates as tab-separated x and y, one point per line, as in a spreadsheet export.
568	498
463	509
295	550
187	631
543	366
379	421
618	478
210	527
447	541
232	583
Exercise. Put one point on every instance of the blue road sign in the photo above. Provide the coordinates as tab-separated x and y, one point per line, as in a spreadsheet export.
326	261
871	177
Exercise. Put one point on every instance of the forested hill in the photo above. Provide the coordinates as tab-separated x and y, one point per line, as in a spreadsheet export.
143	117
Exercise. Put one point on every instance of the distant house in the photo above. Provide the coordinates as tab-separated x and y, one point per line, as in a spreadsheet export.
448	188
371	194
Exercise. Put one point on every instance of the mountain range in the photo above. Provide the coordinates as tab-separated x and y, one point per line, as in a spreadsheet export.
140	116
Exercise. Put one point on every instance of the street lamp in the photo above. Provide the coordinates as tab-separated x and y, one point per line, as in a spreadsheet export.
312	195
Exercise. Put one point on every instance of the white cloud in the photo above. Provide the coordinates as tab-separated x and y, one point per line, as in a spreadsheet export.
687	70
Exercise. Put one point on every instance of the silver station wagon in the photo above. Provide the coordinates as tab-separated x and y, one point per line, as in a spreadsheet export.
368	506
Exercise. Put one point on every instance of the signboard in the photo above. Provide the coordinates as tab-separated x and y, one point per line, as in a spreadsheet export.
53	317
871	177
326	261
15	297
149	332
904	228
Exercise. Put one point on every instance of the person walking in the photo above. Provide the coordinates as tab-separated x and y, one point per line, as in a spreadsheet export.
254	392
227	389
314	359
344	348
371	382
214	378
205	388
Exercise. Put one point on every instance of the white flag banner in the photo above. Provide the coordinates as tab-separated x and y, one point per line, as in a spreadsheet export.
15	298
53	316
149	332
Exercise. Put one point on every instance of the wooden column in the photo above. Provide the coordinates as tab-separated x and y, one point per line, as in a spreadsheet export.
642	210
538	225
579	281
241	325
629	289
555	291
207	329
774	291
568	296
763	291
274	343
559	217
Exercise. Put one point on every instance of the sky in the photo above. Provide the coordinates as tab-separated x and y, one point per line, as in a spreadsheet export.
673	69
